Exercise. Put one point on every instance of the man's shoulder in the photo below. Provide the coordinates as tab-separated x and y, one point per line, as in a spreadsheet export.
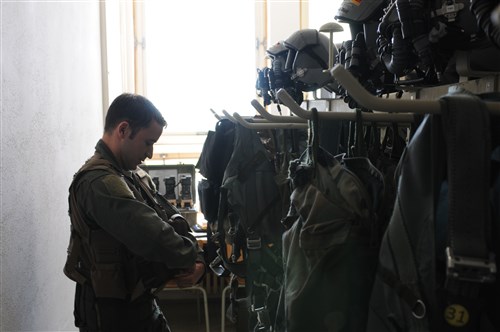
91	175
104	180
95	168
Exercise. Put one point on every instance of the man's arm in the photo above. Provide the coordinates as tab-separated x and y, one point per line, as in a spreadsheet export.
112	205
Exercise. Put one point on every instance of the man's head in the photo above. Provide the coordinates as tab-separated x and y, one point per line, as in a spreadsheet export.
133	124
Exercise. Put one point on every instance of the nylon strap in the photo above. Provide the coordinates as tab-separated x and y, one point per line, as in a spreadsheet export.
466	130
467	135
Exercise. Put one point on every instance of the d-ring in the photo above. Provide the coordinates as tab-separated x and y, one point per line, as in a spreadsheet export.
419	310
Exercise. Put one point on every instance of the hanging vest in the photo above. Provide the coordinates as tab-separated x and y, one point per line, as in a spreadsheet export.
329	249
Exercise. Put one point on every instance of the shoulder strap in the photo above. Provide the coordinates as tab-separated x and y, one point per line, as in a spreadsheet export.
161	205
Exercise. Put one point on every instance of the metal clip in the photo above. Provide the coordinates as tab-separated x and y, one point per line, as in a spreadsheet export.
253	243
469	268
449	10
217	266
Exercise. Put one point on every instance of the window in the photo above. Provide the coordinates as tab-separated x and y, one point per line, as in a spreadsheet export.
200	55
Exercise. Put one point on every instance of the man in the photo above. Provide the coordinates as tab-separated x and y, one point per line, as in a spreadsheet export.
125	240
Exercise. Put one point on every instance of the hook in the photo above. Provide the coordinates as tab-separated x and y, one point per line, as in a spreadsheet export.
217	116
369	101
274	118
232	119
349	116
229	117
268	125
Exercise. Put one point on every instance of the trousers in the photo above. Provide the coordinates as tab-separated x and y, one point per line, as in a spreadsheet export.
110	315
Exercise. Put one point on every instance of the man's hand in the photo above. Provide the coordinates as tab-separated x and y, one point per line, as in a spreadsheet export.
179	224
191	276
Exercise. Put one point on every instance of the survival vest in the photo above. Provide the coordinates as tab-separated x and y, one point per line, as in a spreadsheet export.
96	258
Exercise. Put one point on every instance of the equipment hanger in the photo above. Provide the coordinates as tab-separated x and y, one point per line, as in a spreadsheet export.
395	110
369	101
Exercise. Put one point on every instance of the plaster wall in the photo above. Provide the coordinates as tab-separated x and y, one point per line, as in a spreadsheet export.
51	118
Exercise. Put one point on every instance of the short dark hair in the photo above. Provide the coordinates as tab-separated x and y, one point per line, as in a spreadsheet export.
137	110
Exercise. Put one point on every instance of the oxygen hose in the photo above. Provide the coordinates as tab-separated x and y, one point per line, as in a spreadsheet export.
393	50
358	49
420	34
396	56
413	28
278	80
482	10
403	9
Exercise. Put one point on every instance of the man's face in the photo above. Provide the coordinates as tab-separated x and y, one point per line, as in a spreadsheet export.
135	150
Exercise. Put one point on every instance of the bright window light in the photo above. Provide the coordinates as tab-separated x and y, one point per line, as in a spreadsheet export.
200	55
324	11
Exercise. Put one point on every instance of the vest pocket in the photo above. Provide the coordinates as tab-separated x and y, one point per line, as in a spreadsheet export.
108	281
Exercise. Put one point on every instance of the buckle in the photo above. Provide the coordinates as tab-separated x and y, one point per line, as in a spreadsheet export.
469	268
217	267
259	308
253	243
263	323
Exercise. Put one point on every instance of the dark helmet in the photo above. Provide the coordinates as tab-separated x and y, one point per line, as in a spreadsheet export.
357	11
308	59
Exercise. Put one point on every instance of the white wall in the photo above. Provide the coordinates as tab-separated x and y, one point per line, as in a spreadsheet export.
51	118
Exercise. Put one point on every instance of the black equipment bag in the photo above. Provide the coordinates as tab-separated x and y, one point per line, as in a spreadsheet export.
212	163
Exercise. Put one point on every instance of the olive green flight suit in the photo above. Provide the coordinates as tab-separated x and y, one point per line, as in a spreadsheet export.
128	245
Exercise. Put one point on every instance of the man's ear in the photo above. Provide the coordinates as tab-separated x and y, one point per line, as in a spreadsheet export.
123	129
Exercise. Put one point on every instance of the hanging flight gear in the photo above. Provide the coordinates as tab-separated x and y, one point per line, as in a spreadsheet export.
215	155
299	64
249	221
328	248
437	263
307	59
401	43
270	80
359	55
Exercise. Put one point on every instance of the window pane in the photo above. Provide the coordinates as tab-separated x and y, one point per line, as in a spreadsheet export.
324	11
200	55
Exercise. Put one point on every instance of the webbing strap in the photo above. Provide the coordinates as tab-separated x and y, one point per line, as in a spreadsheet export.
466	127
160	210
